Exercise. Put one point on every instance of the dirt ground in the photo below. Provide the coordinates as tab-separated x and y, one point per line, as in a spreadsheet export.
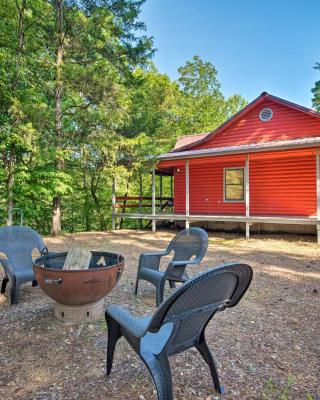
267	347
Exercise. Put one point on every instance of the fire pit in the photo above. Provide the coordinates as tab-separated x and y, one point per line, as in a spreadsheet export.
78	293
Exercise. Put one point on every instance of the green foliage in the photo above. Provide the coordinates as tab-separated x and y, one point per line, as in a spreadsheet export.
117	110
316	91
201	106
272	391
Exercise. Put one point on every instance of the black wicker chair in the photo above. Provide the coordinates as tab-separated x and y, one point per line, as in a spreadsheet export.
179	323
18	243
188	246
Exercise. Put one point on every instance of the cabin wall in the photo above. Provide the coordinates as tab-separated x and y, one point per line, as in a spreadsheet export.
286	124
281	183
206	187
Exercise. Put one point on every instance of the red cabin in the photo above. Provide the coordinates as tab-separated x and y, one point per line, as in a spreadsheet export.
259	168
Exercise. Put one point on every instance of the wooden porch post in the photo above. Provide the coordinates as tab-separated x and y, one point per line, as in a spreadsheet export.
171	191
187	195
114	209
247	196
318	194
160	192
153	199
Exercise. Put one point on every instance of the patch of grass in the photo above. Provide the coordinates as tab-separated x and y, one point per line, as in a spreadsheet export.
101	324
272	392
87	338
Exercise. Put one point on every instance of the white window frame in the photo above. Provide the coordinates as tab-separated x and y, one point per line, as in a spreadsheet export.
224	184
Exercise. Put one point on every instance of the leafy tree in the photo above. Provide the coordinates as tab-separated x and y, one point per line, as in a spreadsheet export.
80	102
201	106
316	91
96	50
21	37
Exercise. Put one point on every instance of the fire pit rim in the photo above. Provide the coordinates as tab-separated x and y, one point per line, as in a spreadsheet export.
78	287
120	259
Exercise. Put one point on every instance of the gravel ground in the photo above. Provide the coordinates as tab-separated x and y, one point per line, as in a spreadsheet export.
267	347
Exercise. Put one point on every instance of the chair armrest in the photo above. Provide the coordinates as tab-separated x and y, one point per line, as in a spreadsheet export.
44	251
6	266
137	326
173	264
156	253
186	262
151	260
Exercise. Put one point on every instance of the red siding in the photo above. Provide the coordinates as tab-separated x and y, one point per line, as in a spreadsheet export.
281	183
284	185
206	187
287	123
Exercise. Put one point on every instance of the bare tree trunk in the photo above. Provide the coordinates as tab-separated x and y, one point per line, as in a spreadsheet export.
93	188
56	216
10	184
12	152
85	190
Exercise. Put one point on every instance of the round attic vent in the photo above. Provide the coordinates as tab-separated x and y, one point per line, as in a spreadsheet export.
265	114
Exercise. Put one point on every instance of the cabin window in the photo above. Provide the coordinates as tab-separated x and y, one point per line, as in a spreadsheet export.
234	184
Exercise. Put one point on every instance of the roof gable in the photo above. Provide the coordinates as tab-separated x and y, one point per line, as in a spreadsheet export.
289	121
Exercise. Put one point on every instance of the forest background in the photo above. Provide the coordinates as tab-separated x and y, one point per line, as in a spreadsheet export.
81	102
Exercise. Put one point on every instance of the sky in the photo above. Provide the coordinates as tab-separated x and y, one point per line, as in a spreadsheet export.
256	45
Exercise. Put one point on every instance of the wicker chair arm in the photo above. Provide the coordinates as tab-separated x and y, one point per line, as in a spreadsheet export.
44	251
151	260
5	263
156	253
186	262
137	326
174	264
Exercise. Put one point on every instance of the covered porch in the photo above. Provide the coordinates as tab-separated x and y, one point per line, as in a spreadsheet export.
186	204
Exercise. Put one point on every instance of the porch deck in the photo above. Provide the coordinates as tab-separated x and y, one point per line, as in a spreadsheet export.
248	220
164	216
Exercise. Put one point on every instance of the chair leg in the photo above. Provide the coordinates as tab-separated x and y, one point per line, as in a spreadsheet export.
204	350
136	286
14	291
159	292
4	284
113	336
160	371
172	284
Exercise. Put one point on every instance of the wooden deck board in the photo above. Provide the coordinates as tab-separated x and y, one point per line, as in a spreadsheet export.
222	218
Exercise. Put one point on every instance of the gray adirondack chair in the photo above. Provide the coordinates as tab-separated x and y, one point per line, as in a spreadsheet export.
188	247
179	323
18	243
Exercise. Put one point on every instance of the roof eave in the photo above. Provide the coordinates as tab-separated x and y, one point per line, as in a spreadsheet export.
263	147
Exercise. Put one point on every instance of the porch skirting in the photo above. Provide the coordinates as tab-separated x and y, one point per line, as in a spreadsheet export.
235	222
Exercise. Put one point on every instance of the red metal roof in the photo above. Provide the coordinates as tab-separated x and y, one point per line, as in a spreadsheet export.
201	140
185	140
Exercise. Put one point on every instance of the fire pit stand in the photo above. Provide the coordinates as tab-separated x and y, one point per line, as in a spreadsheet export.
77	314
78	293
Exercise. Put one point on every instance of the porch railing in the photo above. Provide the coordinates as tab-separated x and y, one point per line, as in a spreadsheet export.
139	203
